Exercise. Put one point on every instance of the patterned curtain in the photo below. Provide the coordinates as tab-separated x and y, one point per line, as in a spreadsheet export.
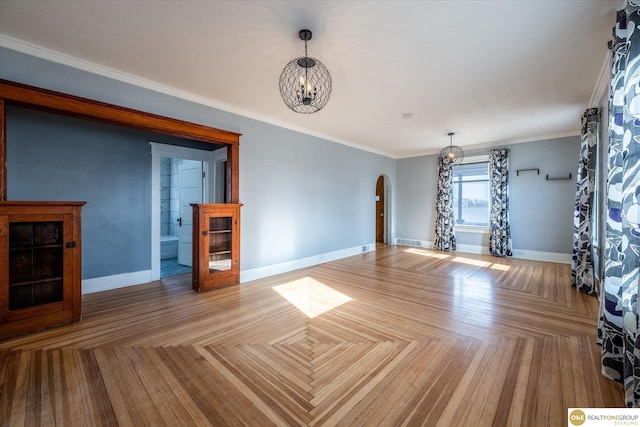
500	232
582	276
618	331
445	237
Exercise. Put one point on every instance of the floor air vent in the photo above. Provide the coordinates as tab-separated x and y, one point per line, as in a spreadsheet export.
409	242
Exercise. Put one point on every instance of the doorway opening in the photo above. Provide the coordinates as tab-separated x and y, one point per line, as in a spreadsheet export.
180	176
181	183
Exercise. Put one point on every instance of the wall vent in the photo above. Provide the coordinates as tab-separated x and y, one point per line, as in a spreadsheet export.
409	242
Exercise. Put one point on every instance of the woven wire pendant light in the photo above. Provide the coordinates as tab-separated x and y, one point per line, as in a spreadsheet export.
305	83
452	154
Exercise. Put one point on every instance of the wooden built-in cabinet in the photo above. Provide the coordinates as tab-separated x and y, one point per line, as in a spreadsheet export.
40	265
216	246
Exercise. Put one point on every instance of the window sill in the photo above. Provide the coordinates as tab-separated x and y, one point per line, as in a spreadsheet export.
478	229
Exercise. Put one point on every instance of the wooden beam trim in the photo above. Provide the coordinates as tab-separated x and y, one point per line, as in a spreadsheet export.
13	93
233	163
3	152
32	97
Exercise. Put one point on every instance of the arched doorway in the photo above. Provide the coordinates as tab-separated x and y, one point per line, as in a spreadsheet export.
380	209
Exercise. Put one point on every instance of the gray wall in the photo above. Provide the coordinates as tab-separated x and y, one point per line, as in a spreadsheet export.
541	211
417	197
302	195
68	159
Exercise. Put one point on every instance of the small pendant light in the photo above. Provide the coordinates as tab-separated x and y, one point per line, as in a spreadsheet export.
452	154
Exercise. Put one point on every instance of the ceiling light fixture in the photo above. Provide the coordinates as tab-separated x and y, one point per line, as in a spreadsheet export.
452	154
305	83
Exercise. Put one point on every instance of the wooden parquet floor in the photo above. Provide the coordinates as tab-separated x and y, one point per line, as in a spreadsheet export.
399	336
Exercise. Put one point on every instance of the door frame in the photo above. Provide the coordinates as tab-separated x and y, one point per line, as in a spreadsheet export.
381	211
388	231
158	150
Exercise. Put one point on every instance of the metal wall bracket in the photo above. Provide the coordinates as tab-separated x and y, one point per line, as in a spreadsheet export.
558	178
527	170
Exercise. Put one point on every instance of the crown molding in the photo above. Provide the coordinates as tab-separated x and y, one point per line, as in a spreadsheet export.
91	67
497	143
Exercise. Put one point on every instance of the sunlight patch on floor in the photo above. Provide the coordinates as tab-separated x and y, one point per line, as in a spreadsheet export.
460	259
426	253
310	296
470	261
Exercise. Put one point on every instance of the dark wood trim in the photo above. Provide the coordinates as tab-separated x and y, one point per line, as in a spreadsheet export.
3	152
233	168
12	93
60	103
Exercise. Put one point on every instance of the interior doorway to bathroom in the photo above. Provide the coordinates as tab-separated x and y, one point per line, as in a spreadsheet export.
181	183
180	176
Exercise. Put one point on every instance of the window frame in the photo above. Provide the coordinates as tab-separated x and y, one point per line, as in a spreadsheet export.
472	228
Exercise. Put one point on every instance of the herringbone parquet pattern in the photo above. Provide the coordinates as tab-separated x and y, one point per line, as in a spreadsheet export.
397	337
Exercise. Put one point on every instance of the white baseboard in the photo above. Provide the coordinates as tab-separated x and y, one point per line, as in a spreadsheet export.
542	256
99	284
284	267
476	249
105	283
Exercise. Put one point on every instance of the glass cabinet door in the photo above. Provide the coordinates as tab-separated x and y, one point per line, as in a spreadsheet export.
35	263
40	265
216	249
220	243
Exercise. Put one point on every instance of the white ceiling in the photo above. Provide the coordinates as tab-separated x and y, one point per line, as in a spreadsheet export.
493	72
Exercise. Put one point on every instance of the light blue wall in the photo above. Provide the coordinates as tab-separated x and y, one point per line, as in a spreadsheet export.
541	211
416	197
302	195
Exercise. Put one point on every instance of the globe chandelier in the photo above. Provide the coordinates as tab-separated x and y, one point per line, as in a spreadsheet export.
305	83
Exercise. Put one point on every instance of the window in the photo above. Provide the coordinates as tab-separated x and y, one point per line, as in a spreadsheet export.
471	194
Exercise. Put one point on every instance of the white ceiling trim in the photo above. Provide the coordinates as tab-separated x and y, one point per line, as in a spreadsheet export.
91	67
496	144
